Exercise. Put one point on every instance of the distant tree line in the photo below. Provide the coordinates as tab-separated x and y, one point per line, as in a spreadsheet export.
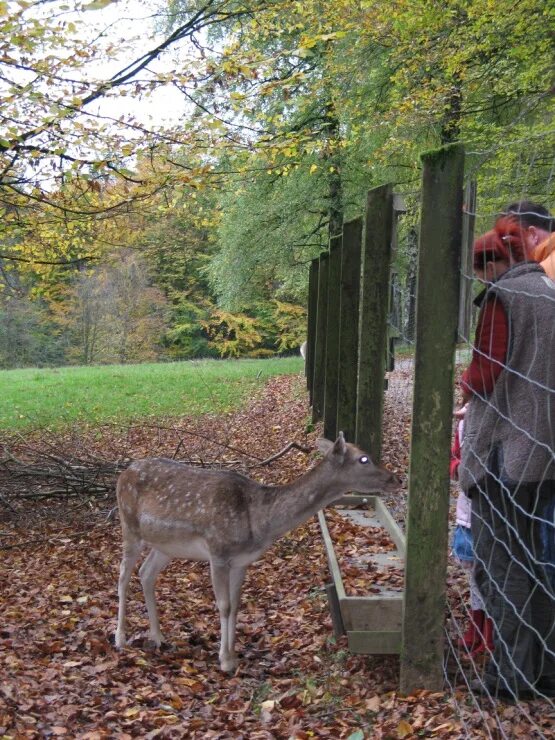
121	242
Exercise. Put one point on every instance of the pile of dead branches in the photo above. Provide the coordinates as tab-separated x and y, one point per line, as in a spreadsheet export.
39	471
74	467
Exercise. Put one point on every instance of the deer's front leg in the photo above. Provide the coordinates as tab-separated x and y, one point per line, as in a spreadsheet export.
220	583
155	562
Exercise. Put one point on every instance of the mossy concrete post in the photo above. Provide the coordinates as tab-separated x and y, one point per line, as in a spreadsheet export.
332	338
312	312
437	307
348	328
376	262
319	368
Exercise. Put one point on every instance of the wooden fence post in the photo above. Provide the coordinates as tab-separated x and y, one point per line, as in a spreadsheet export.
332	338
319	368
469	219
428	503
376	262
412	250
349	329
311	324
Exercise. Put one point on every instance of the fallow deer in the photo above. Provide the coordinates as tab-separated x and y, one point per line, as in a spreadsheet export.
225	518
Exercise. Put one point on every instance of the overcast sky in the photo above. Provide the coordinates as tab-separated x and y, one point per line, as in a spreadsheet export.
131	24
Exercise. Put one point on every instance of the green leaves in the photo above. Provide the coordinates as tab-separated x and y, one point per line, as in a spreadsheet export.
293	110
97	4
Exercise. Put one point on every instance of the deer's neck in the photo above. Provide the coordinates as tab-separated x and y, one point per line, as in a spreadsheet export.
282	508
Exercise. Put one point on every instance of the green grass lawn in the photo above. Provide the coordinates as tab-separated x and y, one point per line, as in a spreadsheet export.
57	397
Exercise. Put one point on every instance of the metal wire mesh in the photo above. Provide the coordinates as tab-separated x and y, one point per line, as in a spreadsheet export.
503	650
500	611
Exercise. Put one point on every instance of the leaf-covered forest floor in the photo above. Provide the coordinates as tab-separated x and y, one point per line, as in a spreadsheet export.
60	675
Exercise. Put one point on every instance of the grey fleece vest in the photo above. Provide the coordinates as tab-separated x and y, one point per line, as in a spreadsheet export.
511	432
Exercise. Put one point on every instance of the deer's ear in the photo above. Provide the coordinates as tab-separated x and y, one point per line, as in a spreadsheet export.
340	446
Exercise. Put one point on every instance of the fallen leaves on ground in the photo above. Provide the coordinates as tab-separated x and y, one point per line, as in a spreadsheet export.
60	675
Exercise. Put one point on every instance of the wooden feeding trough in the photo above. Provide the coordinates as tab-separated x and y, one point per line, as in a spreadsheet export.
371	619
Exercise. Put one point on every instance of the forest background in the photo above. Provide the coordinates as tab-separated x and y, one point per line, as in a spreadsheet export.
125	240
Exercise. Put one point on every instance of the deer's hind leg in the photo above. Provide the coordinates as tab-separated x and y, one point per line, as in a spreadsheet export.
131	553
154	563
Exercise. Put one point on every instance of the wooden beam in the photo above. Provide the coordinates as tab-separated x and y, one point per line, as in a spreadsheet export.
469	220
376	262
349	328
335	610
319	368
311	324
332	338
375	643
428	502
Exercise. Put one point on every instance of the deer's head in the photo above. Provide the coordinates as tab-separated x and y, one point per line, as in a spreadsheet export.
355	467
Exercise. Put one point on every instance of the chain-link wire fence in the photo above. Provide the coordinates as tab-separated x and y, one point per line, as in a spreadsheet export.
500	631
500	626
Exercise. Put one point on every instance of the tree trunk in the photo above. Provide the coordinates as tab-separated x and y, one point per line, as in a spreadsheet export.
333	161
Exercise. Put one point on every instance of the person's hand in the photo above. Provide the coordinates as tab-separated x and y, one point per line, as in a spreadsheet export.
461	411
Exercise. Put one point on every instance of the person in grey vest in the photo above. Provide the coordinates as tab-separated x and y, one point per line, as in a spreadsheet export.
508	465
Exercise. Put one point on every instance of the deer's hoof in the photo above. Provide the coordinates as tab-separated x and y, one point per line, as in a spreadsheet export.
156	640
229	665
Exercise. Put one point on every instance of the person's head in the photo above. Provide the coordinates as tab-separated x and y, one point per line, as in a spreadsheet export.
498	249
535	220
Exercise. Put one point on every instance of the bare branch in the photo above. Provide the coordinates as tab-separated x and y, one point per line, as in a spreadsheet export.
290	446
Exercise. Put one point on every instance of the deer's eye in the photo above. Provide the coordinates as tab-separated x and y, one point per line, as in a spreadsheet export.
363	460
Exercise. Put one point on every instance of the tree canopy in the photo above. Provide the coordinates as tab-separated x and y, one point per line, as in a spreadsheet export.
288	113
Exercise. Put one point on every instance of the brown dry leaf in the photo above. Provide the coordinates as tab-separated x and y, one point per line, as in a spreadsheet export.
290	702
373	704
404	729
445	727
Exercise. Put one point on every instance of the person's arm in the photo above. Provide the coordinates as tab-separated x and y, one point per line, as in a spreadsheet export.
490	350
455	455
